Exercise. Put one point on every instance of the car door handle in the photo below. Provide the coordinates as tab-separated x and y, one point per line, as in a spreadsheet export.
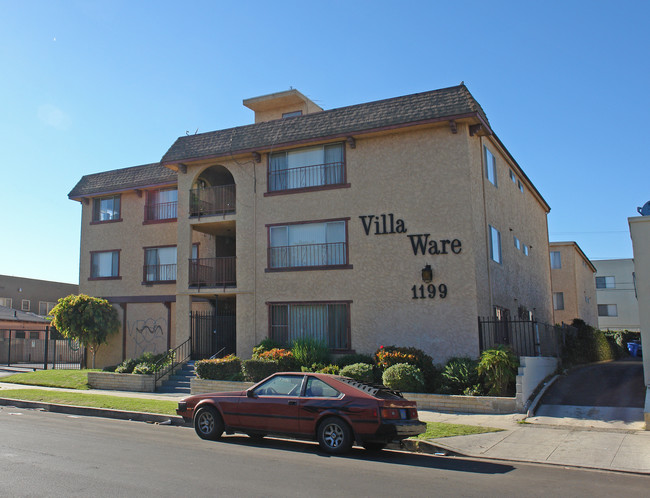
293	403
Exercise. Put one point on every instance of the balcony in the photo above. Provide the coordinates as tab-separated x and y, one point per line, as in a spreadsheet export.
155	274
160	211
212	200
306	177
213	272
309	255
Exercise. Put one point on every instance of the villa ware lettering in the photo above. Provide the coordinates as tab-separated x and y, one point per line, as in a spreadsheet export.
421	244
384	224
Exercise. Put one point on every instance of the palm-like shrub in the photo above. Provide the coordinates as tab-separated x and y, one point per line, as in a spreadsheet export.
499	365
460	375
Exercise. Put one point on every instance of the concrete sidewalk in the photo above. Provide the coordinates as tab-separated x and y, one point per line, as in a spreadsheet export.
537	440
540	440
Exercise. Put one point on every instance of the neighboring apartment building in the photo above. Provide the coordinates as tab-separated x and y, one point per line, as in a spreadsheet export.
618	308
574	290
399	221
31	295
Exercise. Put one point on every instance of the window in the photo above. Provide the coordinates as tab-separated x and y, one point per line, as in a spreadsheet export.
160	264
25	305
308	245
20	334
490	166
106	209
161	205
6	301
305	168
281	385
44	307
513	177
517	243
558	300
291	114
495	244
316	388
526	250
556	260
520	185
326	322
104	264
605	283
607	310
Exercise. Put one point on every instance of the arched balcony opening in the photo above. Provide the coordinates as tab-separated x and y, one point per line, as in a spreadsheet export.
213	193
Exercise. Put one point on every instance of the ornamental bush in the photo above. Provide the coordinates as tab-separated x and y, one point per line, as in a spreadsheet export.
145	368
228	368
499	365
587	345
386	356
460	375
359	371
127	366
266	345
256	370
308	351
282	357
404	377
351	359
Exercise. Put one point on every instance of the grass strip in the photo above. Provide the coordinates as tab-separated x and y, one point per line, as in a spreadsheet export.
439	429
163	407
69	379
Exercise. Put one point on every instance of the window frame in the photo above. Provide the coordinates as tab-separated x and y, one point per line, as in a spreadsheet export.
606	283
608	307
27	306
492	231
112	277
48	307
490	166
558	299
151	196
344	266
96	201
144	266
556	264
8	302
312	188
346	303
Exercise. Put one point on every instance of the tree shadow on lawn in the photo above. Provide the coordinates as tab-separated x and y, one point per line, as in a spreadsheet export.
457	464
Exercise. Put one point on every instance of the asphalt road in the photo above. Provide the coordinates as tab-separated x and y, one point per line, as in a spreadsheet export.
615	384
49	454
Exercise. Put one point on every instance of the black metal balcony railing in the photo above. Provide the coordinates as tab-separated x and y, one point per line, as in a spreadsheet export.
161	211
212	200
213	272
306	176
329	254
159	273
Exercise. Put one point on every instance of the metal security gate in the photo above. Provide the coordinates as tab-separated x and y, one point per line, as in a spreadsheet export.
39	349
213	333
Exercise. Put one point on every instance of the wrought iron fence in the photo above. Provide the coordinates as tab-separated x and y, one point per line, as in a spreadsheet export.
212	200
525	337
161	211
212	334
175	357
159	273
306	176
213	272
326	254
33	349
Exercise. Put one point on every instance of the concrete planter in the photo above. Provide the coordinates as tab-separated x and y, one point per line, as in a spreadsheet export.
437	402
122	382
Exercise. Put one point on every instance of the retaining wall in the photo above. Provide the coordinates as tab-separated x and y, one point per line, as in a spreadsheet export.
122	382
532	371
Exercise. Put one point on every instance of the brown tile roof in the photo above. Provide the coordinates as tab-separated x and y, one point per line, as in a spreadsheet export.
398	111
123	179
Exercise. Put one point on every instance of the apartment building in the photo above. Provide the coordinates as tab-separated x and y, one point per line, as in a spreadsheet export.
398	221
574	289
618	307
33	295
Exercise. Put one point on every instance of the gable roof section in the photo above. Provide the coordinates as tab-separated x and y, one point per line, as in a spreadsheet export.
383	114
146	175
12	315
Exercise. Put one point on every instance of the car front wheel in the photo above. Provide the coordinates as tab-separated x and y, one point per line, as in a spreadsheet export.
334	436
208	423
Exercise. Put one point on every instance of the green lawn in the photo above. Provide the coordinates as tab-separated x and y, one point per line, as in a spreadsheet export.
69	379
439	429
163	407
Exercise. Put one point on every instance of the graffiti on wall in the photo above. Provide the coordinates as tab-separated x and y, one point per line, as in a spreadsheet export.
148	335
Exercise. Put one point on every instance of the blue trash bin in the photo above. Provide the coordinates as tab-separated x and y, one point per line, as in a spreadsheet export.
633	348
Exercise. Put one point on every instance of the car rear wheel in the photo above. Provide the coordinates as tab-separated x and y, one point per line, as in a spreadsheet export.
334	436
208	423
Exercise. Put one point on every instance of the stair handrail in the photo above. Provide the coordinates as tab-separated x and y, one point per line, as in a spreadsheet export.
172	359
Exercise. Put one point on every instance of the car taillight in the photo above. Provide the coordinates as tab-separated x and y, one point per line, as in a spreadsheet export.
390	413
413	412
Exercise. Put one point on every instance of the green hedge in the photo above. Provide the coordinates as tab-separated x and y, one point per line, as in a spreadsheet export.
404	377
359	371
228	368
587	345
256	370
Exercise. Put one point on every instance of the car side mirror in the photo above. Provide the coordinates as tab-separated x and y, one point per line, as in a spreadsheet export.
250	393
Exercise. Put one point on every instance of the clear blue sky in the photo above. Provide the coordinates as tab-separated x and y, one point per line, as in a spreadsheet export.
90	86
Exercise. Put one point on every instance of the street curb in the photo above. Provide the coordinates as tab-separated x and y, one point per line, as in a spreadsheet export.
533	406
94	412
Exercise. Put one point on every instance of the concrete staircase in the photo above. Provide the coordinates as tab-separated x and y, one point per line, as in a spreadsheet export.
179	383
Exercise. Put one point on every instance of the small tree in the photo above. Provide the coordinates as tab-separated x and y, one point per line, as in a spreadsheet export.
90	320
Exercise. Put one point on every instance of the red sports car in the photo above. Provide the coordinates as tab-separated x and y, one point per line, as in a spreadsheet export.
335	411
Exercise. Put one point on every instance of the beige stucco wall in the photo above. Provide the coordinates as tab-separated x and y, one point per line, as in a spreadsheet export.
622	295
640	233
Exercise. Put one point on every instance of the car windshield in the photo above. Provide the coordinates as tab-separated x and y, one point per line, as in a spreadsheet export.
378	391
281	385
